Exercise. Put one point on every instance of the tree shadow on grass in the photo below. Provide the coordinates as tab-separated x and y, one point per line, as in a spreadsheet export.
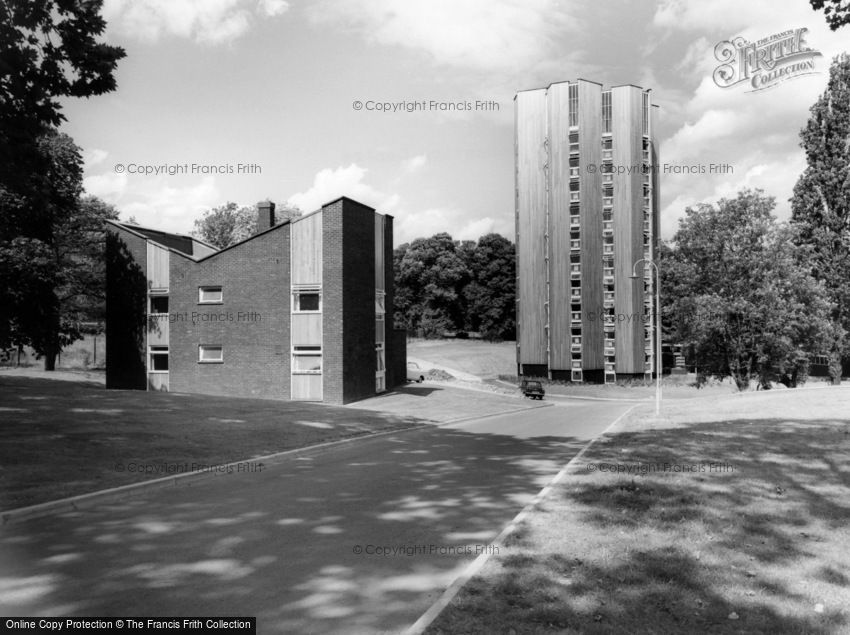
729	527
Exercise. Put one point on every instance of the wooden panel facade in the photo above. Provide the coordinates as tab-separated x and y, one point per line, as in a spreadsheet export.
306	271
531	205
306	329
626	126
158	381
590	153
558	110
306	387
380	283
158	258
306	253
158	329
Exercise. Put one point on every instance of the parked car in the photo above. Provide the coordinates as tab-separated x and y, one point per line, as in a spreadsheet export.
414	373
532	389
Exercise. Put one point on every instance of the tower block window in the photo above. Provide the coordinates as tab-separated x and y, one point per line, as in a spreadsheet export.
573	99
606	111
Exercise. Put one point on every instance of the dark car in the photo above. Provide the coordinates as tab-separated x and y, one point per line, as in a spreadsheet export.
532	389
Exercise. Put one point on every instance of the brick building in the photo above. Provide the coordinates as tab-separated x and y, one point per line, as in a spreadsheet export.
297	311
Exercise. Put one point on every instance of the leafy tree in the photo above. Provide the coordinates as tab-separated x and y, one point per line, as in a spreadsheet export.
430	276
741	293
228	224
48	50
837	12
491	294
820	205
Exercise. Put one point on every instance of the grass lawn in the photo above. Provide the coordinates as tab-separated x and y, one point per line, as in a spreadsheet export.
483	359
63	438
735	518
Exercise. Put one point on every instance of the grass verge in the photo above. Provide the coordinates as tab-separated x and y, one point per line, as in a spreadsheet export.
729	517
63	438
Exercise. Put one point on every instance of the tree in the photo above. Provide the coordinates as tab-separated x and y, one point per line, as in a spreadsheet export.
228	224
741	293
491	294
429	278
48	50
837	12
820	206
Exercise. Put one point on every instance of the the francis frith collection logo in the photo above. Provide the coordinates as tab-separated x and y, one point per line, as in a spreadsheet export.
766	62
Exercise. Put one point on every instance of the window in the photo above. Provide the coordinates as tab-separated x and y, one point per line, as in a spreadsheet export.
210	354
606	111
209	295
307	360
380	302
646	113
573	98
306	300
159	304
158	359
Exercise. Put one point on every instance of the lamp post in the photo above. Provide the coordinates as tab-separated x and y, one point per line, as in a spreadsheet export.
658	365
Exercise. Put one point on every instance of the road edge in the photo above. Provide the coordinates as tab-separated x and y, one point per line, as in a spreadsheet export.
433	612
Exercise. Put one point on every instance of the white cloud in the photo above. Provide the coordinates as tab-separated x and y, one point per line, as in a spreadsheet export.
730	15
409	223
206	21
482	34
274	7
108	186
408	166
172	208
756	132
93	157
330	184
154	201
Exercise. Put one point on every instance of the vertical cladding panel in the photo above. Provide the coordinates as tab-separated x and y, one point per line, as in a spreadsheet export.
590	153
656	206
396	346
531	224
307	250
379	253
307	387
157	266
656	193
628	223
306	329
252	324
126	306
306	268
559	225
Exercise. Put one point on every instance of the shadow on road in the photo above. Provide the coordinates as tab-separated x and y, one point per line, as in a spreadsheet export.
359	539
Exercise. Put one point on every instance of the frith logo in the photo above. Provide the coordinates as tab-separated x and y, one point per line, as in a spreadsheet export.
766	62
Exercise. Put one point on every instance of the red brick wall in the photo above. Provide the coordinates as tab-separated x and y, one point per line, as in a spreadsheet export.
254	331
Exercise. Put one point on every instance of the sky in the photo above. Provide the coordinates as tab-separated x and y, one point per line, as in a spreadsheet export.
247	100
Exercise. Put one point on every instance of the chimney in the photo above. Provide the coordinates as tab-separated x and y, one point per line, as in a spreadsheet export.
265	216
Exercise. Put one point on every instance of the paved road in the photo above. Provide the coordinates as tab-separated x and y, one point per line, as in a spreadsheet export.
294	544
